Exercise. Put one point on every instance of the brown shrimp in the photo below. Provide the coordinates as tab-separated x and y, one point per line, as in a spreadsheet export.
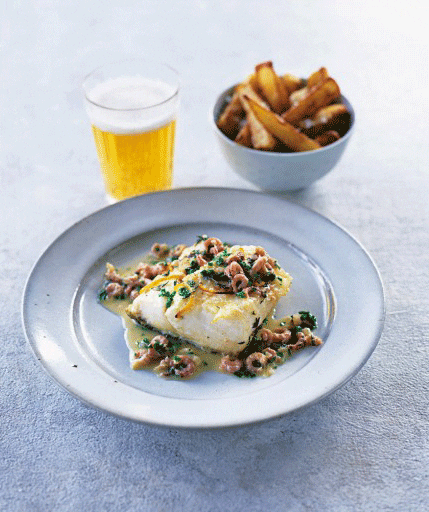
213	246
180	365
144	270
160	250
272	355
260	251
239	283
261	265
308	338
159	344
157	269
230	365
177	251
114	290
233	269
111	274
200	260
133	284
256	362
238	256
279	335
143	358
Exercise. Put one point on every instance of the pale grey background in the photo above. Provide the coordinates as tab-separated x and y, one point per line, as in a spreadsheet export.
363	448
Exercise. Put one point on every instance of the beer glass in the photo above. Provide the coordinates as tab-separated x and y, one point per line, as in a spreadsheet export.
132	106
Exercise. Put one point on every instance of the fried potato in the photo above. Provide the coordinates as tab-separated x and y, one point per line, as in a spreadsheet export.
328	137
291	82
298	95
244	137
261	138
252	80
272	87
281	129
321	95
230	119
333	117
285	113
318	76
315	78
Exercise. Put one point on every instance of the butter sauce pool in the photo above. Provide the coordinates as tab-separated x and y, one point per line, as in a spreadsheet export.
272	342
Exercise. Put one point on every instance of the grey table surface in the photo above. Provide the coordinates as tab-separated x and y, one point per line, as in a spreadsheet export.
365	447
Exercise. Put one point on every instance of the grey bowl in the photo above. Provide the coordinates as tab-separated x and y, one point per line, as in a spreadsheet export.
275	171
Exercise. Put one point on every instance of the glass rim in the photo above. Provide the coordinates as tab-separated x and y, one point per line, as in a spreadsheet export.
133	109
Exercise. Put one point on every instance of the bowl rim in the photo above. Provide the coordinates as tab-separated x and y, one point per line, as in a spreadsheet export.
278	154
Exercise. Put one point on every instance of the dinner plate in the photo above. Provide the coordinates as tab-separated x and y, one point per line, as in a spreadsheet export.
81	344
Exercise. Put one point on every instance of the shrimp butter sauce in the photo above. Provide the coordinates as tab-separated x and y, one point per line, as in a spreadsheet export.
205	274
136	336
133	121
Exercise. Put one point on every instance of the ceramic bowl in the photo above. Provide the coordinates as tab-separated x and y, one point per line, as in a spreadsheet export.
274	171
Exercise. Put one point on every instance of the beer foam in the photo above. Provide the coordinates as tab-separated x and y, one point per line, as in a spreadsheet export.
131	105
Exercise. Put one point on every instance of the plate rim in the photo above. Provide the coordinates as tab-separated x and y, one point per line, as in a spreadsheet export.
32	338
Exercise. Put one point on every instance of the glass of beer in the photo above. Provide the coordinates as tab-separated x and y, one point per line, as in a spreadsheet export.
132	106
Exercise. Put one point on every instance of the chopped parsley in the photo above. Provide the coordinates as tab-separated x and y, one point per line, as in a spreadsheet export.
307	319
268	278
220	258
168	295
102	295
193	267
244	373
143	343
184	292
241	294
216	276
246	266
208	272
167	349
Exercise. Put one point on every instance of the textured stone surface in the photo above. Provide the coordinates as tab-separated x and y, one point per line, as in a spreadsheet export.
365	447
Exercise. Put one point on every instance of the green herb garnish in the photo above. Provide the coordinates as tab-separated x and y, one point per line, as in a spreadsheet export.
143	343
184	292
102	294
193	267
220	258
307	319
168	295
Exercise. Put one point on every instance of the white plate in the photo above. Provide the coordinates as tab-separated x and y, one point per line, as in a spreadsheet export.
81	344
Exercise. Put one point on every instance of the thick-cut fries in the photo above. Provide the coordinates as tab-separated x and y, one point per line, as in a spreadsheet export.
298	95
330	112
333	117
315	78
327	137
319	96
261	138
318	76
244	137
272	87
291	82
252	80
283	130
274	112
229	120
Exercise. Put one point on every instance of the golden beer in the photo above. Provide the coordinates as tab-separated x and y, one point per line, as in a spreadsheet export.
132	108
133	164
